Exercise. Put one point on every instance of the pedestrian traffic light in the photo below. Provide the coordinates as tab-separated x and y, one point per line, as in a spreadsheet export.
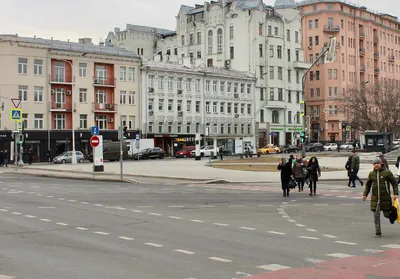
302	137
125	132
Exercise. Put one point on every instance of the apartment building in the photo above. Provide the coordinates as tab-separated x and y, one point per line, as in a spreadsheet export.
181	101
65	86
248	36
367	51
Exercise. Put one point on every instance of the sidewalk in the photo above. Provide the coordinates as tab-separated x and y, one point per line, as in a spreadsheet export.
182	169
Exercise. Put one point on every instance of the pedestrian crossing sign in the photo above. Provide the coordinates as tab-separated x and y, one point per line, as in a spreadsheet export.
16	114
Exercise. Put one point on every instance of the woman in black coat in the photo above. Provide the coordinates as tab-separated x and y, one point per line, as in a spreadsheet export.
286	174
313	173
349	172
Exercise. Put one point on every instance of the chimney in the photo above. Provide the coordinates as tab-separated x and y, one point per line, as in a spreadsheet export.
85	41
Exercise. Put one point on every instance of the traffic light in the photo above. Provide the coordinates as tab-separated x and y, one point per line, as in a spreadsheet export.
302	137
125	132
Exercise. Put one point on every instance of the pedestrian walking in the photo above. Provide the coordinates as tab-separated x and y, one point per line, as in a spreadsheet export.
30	154
385	164
220	152
349	172
314	172
5	158
49	156
1	158
381	200
355	167
285	167
398	169
299	168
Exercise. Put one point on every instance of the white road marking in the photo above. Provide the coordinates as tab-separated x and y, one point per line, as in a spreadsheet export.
176	206
206	205
137	211
236	205
102	233
81	229
321	204
247	228
374	251
45	220
356	198
312	260
308	237
273	267
98	205
16	213
342	196
31	193
143	189
349	204
300	225
220	259
154	244
84	203
49	197
39	195
185	252
339	255
292	221
125	238
285	216
197	221
62	224
393	246
174	217
61	199
145	206
167	189
120	208
46	207
155	214
264	205
4	210
347	243
72	200
221	224
30	216
311	230
279	233
329	236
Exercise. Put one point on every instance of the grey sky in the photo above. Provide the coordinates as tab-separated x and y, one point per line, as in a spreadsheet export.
72	19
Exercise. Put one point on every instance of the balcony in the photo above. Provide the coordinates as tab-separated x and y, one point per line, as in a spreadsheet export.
362	68
376	55
301	65
391	58
275	104
60	107
376	38
111	108
377	71
60	79
332	28
362	51
104	82
362	35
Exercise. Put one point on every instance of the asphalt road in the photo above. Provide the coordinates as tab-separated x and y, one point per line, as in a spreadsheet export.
71	229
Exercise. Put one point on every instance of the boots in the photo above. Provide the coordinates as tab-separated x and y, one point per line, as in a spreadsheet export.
286	192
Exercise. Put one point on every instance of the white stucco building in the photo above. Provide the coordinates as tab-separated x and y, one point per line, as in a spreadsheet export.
248	36
181	100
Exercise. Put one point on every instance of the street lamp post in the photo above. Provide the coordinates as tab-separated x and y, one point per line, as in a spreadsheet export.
74	161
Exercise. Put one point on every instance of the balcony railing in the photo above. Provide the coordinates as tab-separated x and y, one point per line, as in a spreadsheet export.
362	35
104	107
99	81
331	28
377	70
391	58
376	38
376	55
362	51
61	79
60	106
362	68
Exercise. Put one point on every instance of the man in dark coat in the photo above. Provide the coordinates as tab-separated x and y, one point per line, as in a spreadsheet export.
385	164
379	181
286	173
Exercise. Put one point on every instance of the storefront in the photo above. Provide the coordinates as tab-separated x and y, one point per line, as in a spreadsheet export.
172	143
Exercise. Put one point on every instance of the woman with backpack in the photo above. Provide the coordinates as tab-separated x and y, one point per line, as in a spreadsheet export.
299	168
314	172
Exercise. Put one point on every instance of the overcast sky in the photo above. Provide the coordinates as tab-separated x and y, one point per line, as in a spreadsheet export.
72	19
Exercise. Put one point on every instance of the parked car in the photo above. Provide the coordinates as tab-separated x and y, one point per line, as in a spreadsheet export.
290	149
111	151
205	151
142	155
269	149
154	153
331	146
347	146
185	152
66	157
315	147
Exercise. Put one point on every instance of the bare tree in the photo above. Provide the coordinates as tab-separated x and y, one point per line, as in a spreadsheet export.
373	107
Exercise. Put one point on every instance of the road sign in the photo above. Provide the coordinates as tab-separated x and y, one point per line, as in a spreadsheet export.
95	130
16	114
94	141
16	102
137	137
348	128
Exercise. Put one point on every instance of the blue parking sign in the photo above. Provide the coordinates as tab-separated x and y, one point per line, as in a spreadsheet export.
137	137
95	130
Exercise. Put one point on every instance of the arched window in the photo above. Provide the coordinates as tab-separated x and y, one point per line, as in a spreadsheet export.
275	116
219	40
210	41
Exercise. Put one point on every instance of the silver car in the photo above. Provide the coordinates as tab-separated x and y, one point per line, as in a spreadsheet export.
66	157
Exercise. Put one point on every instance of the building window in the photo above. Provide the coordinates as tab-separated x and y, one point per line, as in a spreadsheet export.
38	121
297	77
199	54
271	94
271	72
208	86
82	70
160	82
131	97
131	123
260	50
122	97
280	73
197	84
83	121
210	41
280	94
232	52
198	38
191	39
296	36
23	93
262	116
271	51
231	32
276	31
297	97
151	104
59	96
82	95
279	52
275	116
38	67
215	85
183	40
222	87
248	108
101	122
38	94
269	30
170	105
260	29
289	117
310	24
179	83
59	121
289	75
219	40
179	105
22	65
288	35
222	107
189	106
160	104
316	40
288	55
248	88
160	127
101	97
197	106
59	72
289	96
123	120
235	87
131	74
229	87
170	83
25	120
316	23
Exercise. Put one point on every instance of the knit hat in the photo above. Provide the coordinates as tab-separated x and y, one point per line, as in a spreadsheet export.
377	161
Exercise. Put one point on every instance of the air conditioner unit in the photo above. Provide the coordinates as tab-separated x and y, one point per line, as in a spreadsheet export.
151	89
110	120
151	113
309	47
236	95
69	92
179	91
96	81
59	106
180	113
237	115
52	91
109	106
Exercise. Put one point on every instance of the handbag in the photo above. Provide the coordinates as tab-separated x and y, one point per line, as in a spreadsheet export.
292	184
396	205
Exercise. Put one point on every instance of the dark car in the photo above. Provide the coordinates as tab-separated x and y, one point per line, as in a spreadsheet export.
142	155
290	149
185	152
315	147
151	153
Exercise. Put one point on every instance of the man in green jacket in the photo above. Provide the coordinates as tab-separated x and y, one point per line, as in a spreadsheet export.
379	181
